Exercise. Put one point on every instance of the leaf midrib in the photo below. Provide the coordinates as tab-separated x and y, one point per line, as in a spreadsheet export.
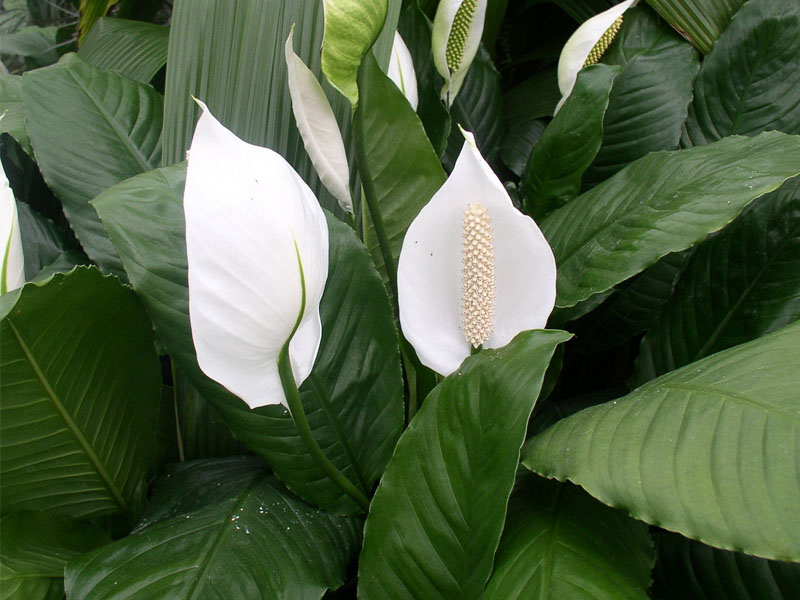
73	428
734	396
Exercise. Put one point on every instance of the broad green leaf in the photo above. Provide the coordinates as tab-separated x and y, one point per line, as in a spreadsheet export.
534	98
559	542
353	397
689	570
436	518
738	286
662	203
708	450
650	98
581	10
750	82
80	392
568	145
90	129
42	241
222	528
38	45
399	169
91	10
35	547
13	119
134	48
699	21
351	27
519	143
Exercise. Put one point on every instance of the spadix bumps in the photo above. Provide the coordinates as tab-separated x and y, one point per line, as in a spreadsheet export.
473	270
457	30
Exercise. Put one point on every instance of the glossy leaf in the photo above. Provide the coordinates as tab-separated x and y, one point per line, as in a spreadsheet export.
559	542
662	203
398	177
354	404
90	129
11	107
738	286
222	528
699	21
707	450
552	176
651	96
437	515
80	386
134	48
689	570
750	82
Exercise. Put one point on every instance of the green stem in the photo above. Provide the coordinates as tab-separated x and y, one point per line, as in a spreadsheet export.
178	436
304	429
383	239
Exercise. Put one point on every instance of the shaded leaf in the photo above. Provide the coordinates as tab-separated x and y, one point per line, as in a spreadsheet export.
11	107
699	21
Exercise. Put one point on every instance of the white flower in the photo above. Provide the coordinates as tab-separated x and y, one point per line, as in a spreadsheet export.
587	45
401	70
318	128
473	270
257	248
457	31
12	269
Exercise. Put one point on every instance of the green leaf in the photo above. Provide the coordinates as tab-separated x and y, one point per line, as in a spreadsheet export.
738	286
39	45
80	388
136	49
688	570
436	518
662	203
354	395
223	529
42	242
559	542
581	10
750	82
699	21
708	450
91	10
351	27
651	96
11	107
568	145
519	143
35	547
90	129
399	169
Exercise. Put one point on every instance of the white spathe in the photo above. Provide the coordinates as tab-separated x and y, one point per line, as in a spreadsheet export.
465	47
580	44
252	224
430	267
12	265
318	128
401	70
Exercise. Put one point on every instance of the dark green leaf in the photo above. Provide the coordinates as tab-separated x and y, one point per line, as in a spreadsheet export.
559	542
581	10
38	44
42	242
708	450
135	49
662	203
738	286
80	391
519	143
436	518
699	21
567	147
750	82
90	129
11	107
650	97
223	529
353	397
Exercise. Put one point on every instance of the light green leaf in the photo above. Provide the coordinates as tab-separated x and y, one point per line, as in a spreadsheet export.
552	176
221	529
90	129
708	450
750	82
662	203
80	390
699	21
136	49
436	518
559	543
91	10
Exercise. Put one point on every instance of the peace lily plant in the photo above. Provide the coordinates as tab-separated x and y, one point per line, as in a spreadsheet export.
457	30
12	273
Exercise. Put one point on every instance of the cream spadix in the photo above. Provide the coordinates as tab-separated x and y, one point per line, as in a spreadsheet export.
457	31
12	268
257	249
473	270
587	45
318	128
401	70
